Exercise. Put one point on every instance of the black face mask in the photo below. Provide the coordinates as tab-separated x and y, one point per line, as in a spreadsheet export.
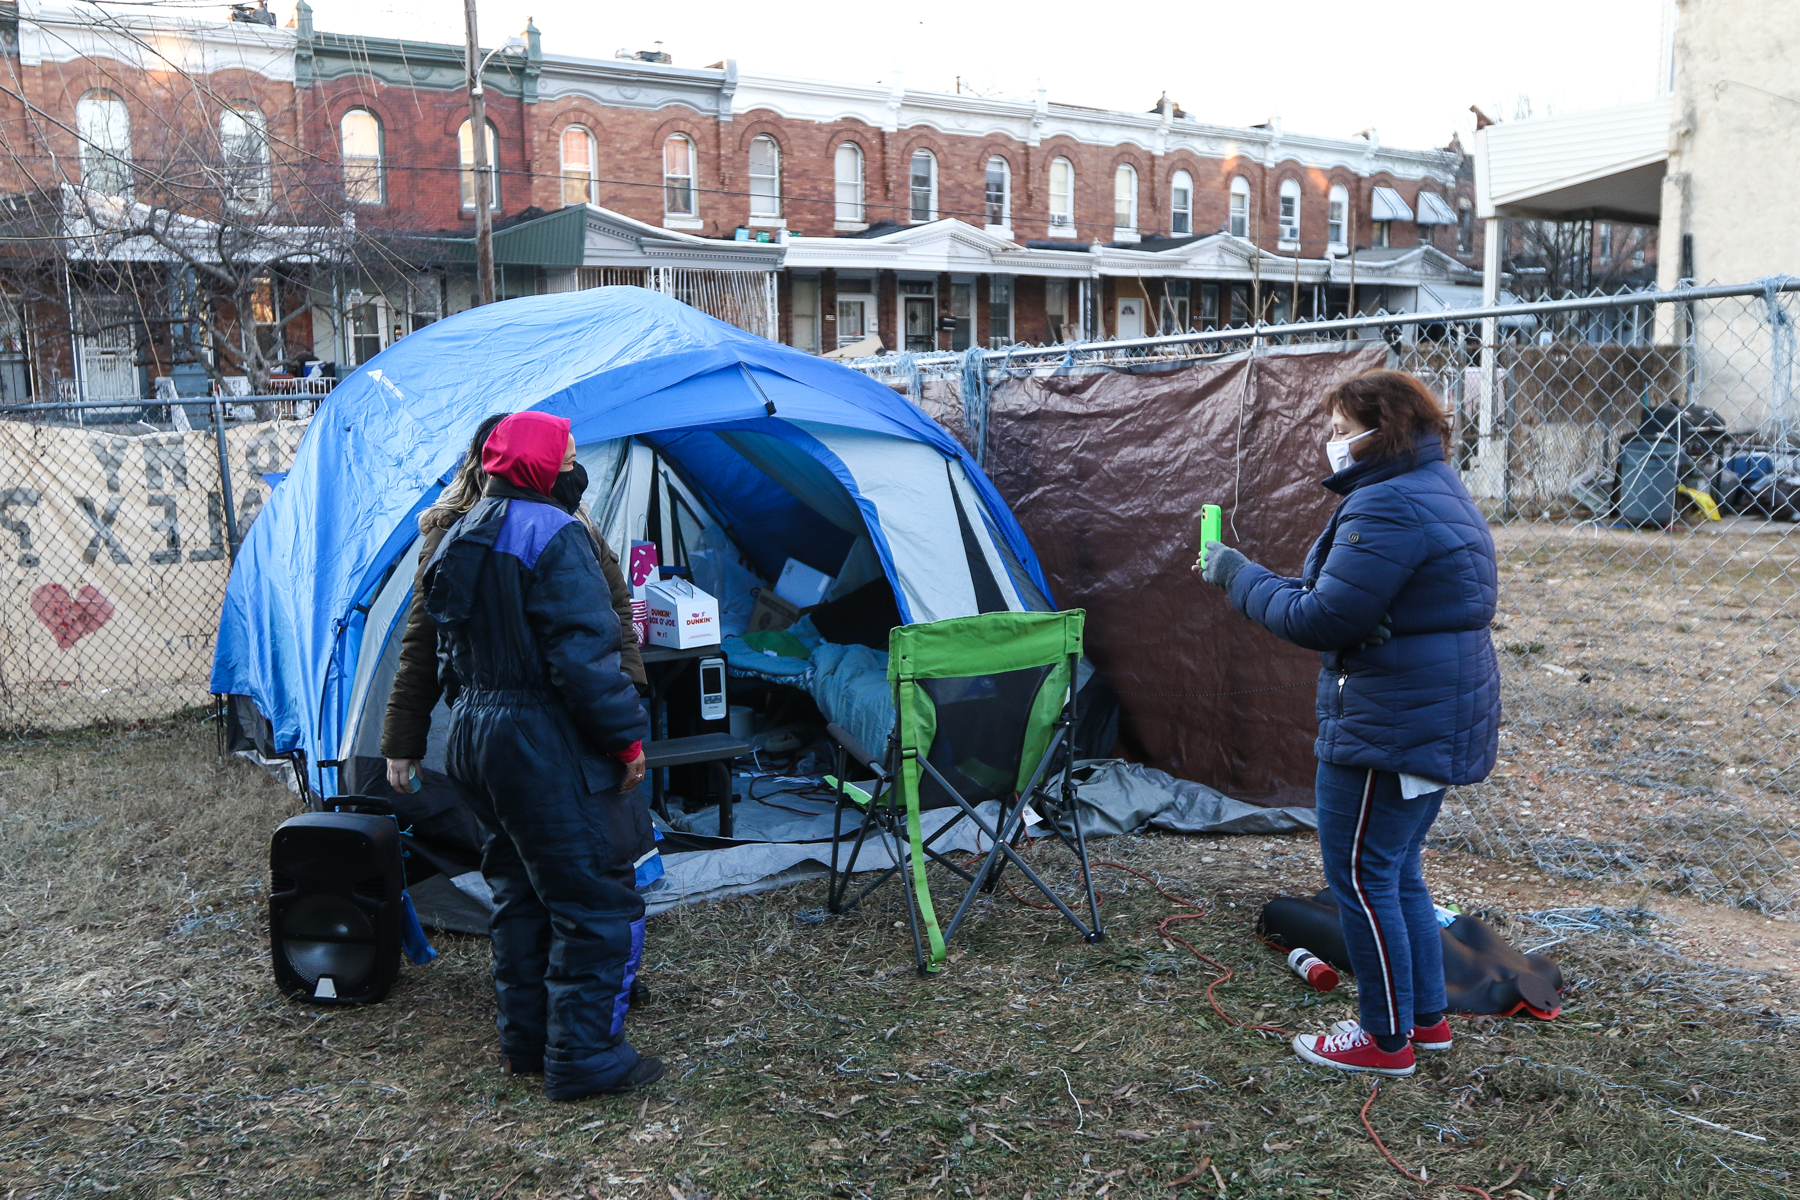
569	487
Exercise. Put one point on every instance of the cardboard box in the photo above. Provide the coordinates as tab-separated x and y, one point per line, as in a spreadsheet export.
681	615
800	585
771	613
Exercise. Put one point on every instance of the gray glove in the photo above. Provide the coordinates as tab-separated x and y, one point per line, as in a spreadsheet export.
1382	634
1222	565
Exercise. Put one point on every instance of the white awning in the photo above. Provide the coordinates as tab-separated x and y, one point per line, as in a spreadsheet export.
1434	211
1605	165
1388	206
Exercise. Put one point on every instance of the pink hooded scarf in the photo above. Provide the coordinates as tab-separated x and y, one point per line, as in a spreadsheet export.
526	450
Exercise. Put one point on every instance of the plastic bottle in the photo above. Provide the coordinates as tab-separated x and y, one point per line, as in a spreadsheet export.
1321	975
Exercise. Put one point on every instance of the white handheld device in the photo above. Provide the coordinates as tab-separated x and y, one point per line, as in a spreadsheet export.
712	689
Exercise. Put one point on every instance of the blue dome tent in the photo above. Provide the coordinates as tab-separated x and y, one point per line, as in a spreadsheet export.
777	453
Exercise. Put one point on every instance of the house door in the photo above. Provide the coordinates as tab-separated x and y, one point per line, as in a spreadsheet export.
108	366
1130	318
921	323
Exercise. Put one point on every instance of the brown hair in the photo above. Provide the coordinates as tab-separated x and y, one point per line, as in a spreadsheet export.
1395	405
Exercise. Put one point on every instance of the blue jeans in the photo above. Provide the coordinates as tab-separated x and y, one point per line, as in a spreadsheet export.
1369	838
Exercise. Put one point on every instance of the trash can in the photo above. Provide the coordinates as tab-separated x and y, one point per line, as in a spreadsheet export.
1647	481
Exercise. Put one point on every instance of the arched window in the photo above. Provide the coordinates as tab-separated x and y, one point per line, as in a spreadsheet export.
1062	194
466	145
678	176
104	125
1337	217
998	192
359	139
923	187
578	166
1238	223
765	177
847	170
1181	203
1290	211
1125	200
244	151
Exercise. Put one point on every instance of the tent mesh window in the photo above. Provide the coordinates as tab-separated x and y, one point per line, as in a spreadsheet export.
980	733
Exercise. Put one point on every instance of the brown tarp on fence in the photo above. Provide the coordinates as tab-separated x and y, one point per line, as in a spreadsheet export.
1107	468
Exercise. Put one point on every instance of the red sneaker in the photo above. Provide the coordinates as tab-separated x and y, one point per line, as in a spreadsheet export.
1432	1037
1353	1050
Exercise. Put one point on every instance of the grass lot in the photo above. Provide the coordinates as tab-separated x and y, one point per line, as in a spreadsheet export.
143	1051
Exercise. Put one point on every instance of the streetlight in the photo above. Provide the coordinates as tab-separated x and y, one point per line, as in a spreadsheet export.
484	185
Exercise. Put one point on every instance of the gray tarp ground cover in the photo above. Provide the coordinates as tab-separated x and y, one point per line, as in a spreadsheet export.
789	839
1125	797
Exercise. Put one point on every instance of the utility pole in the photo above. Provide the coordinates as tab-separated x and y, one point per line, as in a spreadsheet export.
484	186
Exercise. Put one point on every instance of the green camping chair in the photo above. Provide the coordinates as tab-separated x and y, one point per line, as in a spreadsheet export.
984	710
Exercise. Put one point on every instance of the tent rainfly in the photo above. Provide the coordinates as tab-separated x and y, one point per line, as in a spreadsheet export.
775	453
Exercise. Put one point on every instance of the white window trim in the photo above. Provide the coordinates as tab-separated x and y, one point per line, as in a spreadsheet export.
121	160
766	219
493	165
686	220
1290	188
860	222
1342	245
1125	233
380	159
593	167
258	126
932	212
1232	193
1059	229
1189	210
767	222
1004	228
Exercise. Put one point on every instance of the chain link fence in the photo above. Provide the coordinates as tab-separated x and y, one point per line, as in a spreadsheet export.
118	524
1639	461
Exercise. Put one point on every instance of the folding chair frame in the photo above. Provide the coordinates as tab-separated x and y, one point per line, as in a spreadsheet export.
887	813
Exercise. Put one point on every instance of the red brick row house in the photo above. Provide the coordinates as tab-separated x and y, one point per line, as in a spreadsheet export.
823	214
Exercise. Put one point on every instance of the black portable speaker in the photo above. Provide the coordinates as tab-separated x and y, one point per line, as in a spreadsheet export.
335	907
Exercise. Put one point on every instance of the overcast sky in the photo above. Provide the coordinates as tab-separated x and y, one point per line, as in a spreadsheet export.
1410	68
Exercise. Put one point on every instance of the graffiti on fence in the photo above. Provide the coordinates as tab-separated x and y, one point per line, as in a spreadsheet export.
116	549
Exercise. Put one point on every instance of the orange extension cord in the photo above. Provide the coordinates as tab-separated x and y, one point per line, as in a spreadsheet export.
1225	975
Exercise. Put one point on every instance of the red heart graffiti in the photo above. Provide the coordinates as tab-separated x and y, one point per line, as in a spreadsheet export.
69	619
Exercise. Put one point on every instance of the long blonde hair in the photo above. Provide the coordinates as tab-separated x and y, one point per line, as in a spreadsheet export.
464	488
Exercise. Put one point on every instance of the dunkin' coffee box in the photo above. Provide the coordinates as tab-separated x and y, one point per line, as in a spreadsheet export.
641	568
681	615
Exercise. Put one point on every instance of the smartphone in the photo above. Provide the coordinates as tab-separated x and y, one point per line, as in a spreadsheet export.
712	689
1212	528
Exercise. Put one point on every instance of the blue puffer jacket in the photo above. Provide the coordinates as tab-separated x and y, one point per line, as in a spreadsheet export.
1406	540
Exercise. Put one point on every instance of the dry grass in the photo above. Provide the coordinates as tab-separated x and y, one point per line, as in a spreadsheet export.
1650	683
144	1053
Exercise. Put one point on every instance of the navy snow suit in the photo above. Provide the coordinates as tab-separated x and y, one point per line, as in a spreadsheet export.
529	657
1408	541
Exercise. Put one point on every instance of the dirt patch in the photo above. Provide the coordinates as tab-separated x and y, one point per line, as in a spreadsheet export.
144	1052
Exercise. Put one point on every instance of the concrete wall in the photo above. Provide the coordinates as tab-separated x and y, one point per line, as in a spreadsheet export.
1734	179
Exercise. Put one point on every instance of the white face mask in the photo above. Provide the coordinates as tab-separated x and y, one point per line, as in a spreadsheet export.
1338	453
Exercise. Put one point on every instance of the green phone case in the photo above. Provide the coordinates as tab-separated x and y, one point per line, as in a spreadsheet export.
1212	528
